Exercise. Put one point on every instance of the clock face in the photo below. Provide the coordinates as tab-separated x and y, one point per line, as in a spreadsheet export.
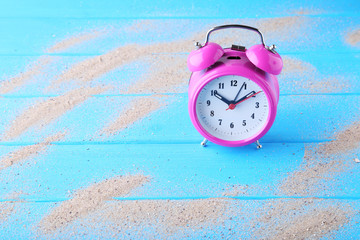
232	108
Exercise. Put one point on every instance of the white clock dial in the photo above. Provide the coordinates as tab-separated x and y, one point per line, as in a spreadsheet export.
232	108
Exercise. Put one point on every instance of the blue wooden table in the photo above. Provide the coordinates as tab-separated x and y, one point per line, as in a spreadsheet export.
96	141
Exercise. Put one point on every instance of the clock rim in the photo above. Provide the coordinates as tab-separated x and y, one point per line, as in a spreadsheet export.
269	122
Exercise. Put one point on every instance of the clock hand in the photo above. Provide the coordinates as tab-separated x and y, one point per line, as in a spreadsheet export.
222	98
239	91
249	95
246	96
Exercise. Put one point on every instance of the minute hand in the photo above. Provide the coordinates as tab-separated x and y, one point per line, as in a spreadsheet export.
247	96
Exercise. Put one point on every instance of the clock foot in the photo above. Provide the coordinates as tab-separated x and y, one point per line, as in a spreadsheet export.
203	143
258	145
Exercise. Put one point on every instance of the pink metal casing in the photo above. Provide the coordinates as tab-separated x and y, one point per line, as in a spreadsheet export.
204	57
241	67
265	59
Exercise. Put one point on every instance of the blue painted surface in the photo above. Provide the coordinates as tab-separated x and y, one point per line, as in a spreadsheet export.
164	145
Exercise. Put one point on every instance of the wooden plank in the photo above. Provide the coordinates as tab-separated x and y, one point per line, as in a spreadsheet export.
303	34
315	73
170	9
243	220
179	171
300	118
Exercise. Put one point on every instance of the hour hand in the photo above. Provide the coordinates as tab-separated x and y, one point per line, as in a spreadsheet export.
222	98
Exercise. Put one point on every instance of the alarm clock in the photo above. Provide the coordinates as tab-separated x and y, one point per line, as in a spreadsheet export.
233	92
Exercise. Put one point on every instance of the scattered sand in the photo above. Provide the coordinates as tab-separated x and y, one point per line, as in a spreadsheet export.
23	153
137	109
307	179
37	67
94	67
292	218
236	191
88	200
345	141
294	66
327	85
323	161
34	69
314	224
170	70
353	38
283	28
307	218
6	209
308	11
9	207
281	210
75	41
166	216
141	26
304	75
45	112
168	73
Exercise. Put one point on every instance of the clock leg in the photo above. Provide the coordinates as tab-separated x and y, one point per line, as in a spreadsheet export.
203	143
258	145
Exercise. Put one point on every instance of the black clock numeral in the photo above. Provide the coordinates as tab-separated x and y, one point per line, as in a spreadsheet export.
244	85
220	120
221	85
244	123
232	125
253	115
208	102
211	113
257	105
213	92
233	83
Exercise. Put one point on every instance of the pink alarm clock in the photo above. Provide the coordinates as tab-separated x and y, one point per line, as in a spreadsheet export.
233	92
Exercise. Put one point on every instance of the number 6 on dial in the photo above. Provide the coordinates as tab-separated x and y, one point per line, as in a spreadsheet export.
233	92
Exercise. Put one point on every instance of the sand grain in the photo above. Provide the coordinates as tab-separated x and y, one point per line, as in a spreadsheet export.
353	37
